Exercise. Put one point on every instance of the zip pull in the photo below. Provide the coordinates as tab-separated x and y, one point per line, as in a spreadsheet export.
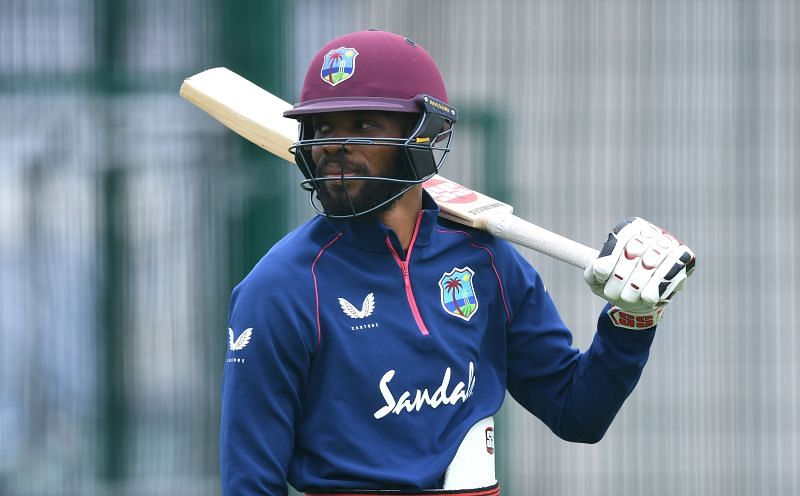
404	267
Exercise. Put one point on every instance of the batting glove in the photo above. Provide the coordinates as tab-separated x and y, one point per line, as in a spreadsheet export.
640	268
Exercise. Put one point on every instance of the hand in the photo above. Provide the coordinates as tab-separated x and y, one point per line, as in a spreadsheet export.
640	268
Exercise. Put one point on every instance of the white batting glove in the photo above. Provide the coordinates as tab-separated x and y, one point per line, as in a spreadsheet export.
640	268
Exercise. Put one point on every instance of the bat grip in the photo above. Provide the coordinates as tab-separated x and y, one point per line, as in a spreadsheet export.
512	228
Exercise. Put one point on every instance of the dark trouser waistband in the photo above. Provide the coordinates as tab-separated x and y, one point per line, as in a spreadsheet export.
483	491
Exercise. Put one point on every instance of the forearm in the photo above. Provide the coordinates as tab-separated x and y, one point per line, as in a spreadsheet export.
579	394
604	377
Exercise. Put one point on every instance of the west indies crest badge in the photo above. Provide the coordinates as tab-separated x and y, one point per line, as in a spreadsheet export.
338	65
458	293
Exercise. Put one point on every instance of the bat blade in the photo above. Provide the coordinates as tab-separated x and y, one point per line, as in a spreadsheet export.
257	115
250	111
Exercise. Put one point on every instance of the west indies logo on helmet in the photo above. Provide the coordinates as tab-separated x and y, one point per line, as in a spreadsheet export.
374	71
338	65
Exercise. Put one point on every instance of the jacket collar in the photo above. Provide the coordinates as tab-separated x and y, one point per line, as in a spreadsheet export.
370	234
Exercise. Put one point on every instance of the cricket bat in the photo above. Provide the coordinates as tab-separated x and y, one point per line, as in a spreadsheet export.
257	116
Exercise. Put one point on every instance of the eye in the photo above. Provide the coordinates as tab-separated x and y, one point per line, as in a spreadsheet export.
321	128
365	125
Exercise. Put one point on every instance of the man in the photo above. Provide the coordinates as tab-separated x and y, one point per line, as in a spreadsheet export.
369	349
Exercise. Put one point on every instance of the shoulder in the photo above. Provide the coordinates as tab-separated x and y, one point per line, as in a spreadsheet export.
500	248
274	297
286	267
511	265
467	233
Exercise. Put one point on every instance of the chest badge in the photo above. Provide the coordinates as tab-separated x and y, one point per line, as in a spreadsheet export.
458	293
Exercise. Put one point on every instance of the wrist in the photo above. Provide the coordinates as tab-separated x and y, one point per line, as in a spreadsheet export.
634	320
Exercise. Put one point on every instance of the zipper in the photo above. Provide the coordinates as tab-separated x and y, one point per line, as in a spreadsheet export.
407	279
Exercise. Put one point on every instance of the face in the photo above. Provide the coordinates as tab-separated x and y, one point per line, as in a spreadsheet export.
339	162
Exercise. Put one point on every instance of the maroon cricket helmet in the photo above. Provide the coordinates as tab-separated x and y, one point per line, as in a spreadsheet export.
374	71
369	70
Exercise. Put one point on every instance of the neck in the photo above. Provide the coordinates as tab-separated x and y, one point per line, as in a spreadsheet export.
402	217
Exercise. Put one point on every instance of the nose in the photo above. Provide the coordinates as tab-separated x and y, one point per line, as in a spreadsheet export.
330	148
330	151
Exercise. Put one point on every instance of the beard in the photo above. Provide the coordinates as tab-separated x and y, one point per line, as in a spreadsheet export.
343	197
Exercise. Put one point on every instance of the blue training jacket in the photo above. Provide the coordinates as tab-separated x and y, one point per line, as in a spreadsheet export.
352	364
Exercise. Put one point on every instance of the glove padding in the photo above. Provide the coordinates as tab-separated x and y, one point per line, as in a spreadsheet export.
640	268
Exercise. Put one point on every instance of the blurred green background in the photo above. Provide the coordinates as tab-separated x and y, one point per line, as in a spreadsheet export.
127	215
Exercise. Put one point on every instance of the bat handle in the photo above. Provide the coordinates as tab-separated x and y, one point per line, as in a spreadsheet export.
512	228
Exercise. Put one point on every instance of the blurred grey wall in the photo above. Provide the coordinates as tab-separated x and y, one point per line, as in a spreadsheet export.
126	216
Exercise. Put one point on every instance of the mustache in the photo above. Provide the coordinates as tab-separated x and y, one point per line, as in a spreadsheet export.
333	165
